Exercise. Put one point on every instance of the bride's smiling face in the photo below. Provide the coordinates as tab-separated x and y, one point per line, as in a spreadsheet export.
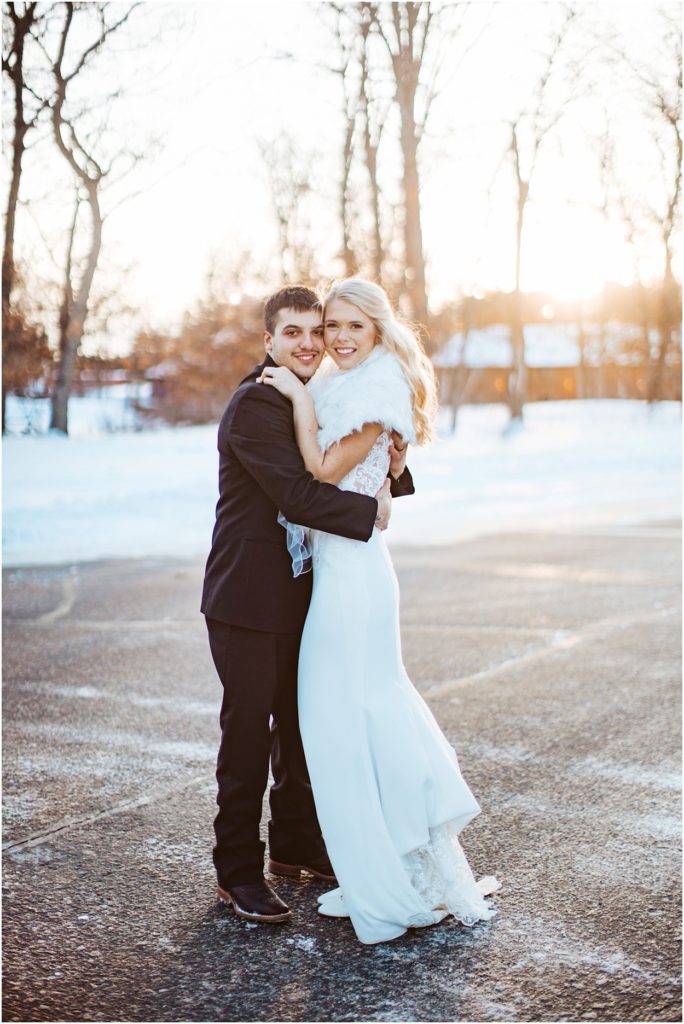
349	333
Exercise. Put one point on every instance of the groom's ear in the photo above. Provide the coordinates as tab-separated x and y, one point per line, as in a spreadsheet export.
268	342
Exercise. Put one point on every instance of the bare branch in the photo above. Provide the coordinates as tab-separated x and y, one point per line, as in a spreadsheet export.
426	28
106	31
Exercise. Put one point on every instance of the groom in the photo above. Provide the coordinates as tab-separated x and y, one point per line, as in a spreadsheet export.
255	610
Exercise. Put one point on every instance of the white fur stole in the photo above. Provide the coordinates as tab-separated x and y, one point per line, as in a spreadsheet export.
373	391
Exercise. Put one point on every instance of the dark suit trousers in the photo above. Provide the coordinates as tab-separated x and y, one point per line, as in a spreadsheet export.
259	676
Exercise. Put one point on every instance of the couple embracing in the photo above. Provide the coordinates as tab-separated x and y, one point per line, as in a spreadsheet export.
301	603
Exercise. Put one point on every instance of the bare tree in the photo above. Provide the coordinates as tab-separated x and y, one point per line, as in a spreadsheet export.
405	30
419	40
658	84
79	149
348	255
528	133
289	180
391	56
350	28
373	114
19	21
67	304
663	99
346	44
618	202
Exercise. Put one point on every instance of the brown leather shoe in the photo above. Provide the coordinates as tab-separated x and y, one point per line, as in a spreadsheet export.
319	867
255	901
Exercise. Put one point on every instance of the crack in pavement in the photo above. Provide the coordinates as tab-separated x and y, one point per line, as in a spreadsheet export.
37	838
69	586
559	643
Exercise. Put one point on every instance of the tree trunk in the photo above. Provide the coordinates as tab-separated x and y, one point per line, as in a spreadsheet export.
73	320
348	258
378	255
602	351
581	383
413	235
658	364
517	380
645	325
665	326
22	26
407	55
371	155
18	147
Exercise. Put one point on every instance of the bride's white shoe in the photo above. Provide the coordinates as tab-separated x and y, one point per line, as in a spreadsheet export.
331	904
488	885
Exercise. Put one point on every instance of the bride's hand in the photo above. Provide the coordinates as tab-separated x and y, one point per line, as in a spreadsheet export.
283	380
384	500
397	452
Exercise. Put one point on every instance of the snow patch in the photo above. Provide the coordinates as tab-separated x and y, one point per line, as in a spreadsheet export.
545	941
307	945
633	774
574	465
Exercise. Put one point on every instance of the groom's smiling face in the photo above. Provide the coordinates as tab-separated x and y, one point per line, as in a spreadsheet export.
297	341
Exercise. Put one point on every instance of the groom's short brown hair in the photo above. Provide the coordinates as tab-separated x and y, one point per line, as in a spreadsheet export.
295	297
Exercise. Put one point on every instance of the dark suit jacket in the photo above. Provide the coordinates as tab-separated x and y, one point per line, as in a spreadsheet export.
248	580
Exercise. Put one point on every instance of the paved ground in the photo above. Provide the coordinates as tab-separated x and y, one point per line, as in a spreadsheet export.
552	663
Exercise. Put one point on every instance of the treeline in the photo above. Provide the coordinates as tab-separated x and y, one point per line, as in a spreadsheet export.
391	64
193	370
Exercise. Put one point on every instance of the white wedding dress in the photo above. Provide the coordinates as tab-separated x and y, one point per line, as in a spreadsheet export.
388	790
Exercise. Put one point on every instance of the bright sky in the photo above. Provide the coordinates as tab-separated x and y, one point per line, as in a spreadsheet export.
225	75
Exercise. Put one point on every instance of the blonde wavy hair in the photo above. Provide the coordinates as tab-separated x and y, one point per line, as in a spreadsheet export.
401	339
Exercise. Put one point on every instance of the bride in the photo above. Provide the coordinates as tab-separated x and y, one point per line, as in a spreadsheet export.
389	794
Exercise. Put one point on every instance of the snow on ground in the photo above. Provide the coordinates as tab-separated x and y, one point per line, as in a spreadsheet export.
101	410
130	495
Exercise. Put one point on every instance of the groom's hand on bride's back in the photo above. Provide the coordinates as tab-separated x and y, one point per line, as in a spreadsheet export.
384	500
397	451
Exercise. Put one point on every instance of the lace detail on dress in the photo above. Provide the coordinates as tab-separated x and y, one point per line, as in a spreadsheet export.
441	875
366	478
369	476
